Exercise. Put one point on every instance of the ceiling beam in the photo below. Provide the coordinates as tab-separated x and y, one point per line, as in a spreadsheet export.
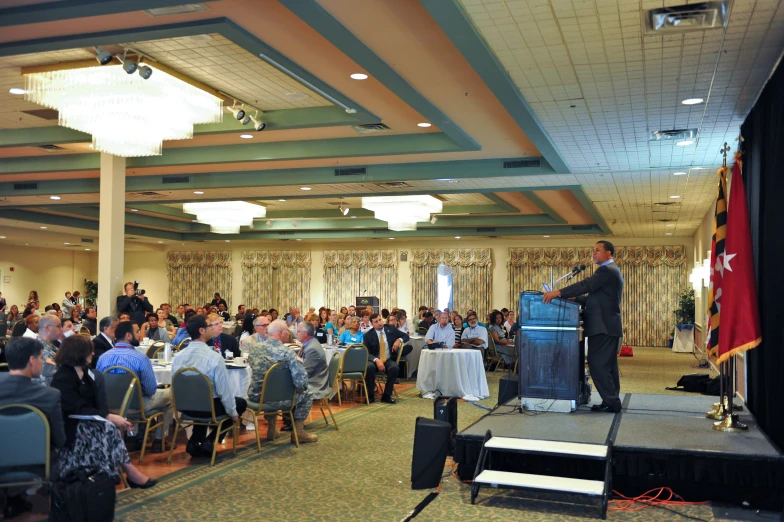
90	224
457	25
536	200
313	14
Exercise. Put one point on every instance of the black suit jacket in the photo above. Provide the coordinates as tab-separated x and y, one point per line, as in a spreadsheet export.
135	306
78	397
370	340
228	343
17	389
101	346
602	313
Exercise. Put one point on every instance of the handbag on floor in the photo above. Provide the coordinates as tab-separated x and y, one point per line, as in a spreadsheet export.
83	495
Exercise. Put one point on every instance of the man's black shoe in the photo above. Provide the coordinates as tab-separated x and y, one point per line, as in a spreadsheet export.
15	506
132	444
286	427
206	448
193	449
388	400
606	409
157	446
597	407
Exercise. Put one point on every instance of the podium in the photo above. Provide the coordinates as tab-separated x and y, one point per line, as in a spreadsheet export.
365	301
550	355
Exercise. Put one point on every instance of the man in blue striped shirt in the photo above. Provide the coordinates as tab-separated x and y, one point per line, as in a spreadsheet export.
124	354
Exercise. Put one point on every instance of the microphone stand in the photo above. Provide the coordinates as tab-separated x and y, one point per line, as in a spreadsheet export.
571	273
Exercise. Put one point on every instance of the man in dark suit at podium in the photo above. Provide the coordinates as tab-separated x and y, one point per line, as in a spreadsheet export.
602	322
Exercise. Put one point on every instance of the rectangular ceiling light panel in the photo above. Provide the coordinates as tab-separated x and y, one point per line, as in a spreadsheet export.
690	17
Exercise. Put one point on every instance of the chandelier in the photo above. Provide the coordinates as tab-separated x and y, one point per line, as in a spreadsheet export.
225	217
402	212
125	114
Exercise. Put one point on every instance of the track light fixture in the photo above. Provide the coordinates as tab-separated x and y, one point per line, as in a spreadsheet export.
128	65
103	57
344	209
238	112
433	220
145	72
258	125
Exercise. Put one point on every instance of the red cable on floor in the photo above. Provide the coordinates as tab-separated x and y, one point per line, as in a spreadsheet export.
625	503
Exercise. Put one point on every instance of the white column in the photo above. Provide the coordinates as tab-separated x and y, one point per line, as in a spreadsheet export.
111	234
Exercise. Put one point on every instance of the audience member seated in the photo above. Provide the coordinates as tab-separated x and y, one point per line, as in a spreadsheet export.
497	330
76	317
457	325
182	333
247	329
152	329
480	323
165	323
104	341
124	354
66	331
441	332
29	310
179	315
427	321
25	360
341	325
403	324
475	335
136	305
382	343
90	320
332	324
240	313
222	343
294	317
320	334
13	317
205	359
510	324
391	320
262	357
217	300
352	335
48	331
365	324
90	443
323	315
31	322
223	313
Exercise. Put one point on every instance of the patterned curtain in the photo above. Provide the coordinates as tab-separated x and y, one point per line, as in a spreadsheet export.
472	278
276	279
349	273
195	276
653	277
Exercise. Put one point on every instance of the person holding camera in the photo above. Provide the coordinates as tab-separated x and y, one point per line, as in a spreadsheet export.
134	303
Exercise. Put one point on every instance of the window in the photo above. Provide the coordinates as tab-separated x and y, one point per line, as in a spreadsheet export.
444	287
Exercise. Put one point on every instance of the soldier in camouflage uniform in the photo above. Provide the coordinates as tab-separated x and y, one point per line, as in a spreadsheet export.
261	358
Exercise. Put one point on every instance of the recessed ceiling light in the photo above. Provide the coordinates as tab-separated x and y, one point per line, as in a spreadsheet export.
678	173
54	197
424	124
194	220
228	240
2	237
298	239
66	243
134	210
670	225
198	192
16	90
160	241
246	136
92	146
353	217
43	227
692	101
391	238
282	200
668	233
674	197
457	237
359	76
684	143
87	249
454	181
545	236
304	188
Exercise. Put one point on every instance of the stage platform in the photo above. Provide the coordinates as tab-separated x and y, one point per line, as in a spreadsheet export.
656	440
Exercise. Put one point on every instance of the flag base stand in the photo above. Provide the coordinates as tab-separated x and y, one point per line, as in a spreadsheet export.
730	424
718	413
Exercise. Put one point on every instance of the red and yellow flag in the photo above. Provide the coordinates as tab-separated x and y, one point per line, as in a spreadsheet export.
740	329
717	253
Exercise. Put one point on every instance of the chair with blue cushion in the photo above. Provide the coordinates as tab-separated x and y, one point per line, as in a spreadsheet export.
278	386
353	367
192	391
120	378
155	348
24	431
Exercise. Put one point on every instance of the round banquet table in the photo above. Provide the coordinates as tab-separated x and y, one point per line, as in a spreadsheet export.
239	378
452	373
416	342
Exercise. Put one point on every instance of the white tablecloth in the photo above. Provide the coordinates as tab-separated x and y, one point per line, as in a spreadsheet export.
239	379
228	328
683	338
452	373
413	358
328	354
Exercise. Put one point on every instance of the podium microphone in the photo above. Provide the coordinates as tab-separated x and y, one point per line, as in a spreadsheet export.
575	271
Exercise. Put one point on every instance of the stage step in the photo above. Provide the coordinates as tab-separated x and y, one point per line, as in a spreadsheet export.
553	447
544	482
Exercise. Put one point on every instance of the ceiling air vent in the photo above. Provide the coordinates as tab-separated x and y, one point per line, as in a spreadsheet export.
522	164
353	171
175	10
692	17
665	220
175	179
486	229
50	148
371	128
582	227
87	240
675	134
394	184
285	233
26	186
666	203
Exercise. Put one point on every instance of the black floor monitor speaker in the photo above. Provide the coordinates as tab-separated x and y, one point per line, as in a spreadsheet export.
507	388
445	409
431	444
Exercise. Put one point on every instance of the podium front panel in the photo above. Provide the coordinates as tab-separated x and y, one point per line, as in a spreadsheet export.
558	313
363	302
550	364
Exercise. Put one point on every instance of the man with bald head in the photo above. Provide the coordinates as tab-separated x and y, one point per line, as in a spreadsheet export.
48	330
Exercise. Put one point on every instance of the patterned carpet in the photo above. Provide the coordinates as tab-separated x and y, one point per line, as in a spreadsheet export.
362	472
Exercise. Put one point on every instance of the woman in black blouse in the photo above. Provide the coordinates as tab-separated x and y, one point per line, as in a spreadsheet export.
95	442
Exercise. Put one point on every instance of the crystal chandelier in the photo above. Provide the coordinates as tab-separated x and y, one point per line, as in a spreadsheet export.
402	212
126	114
225	217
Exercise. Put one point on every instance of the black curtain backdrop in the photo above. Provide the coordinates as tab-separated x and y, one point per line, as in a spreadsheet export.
763	169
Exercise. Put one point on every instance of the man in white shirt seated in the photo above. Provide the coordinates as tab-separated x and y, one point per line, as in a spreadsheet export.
441	332
475	336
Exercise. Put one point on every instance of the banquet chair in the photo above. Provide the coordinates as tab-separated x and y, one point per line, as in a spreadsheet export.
132	401
421	331
194	393
507	354
85	331
154	348
278	386
24	431
381	377
353	367
182	344
492	354
334	364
